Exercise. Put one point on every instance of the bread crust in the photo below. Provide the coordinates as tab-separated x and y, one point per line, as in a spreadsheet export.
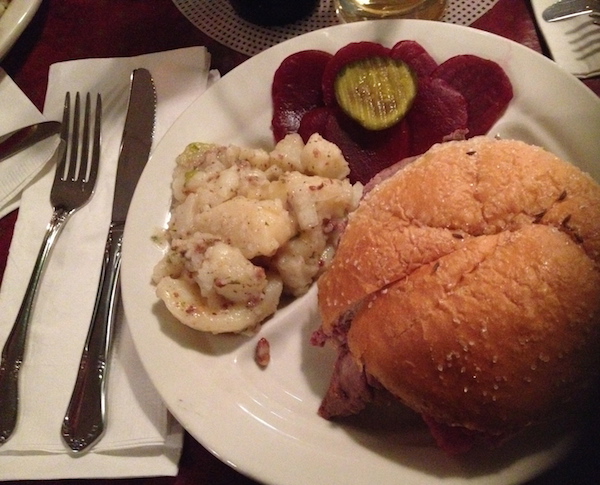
474	274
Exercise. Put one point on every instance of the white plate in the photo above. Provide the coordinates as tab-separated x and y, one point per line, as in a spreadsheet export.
16	17
264	422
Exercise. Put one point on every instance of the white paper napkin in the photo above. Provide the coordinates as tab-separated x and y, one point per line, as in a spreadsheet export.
574	43
142	439
19	170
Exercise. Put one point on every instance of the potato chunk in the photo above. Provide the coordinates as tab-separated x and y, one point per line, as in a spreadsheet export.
257	227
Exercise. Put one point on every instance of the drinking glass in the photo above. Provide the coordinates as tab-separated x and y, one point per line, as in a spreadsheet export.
353	10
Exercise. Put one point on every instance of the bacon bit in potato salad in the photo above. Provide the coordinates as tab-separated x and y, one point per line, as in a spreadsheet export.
248	226
262	352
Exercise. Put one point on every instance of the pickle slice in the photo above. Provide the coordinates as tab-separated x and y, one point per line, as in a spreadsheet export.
376	91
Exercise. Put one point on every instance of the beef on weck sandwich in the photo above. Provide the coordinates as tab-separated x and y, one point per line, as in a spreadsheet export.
467	286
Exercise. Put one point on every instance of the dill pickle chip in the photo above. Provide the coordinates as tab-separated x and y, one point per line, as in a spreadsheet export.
375	91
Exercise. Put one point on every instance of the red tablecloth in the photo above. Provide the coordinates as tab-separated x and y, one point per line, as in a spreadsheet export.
73	29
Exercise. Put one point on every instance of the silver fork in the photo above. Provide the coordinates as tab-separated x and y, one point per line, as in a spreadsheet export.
74	182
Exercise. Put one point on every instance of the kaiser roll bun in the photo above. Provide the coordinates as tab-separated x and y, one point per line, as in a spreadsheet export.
473	281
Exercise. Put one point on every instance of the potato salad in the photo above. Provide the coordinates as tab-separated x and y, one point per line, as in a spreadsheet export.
248	226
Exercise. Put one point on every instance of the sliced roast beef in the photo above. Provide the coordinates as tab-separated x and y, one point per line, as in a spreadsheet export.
452	440
349	391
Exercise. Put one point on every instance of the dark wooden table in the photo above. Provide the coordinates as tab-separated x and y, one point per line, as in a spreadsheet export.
73	29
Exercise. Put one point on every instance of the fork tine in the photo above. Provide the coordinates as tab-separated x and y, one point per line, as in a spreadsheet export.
85	142
93	172
78	162
74	149
64	136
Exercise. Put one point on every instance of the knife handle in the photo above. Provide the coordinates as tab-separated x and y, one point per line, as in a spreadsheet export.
84	421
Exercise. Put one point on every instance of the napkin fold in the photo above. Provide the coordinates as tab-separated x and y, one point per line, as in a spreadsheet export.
142	438
574	43
19	170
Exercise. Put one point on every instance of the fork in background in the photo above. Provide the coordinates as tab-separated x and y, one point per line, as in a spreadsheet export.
73	185
584	38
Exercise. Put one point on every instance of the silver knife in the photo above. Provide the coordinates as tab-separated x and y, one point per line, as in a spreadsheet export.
84	421
18	140
566	9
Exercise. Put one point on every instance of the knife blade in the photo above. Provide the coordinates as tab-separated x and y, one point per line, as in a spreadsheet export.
566	9
18	140
84	422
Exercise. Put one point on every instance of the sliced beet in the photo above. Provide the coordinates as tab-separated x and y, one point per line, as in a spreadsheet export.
315	121
286	119
415	55
367	152
485	86
463	96
349	53
296	89
438	112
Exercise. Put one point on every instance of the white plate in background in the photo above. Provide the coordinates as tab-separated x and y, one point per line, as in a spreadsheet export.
14	20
